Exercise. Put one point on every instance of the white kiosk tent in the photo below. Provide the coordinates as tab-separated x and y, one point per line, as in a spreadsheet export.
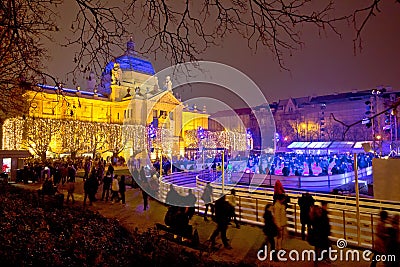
15	159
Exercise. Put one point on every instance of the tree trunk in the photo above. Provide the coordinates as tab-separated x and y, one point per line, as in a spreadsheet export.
43	156
1	134
73	155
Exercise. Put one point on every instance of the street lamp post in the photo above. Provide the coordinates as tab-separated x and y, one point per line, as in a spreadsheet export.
357	199
223	171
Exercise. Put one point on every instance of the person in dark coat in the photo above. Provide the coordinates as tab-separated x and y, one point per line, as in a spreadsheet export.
207	198
382	236
90	187
71	173
321	229
393	244
270	230
122	188
173	197
223	212
305	202
106	186
144	187
190	202
110	169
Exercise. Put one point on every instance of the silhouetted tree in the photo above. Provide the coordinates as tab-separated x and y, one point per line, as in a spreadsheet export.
181	31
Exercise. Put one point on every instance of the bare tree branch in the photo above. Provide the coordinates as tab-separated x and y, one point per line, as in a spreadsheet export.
348	126
366	13
179	30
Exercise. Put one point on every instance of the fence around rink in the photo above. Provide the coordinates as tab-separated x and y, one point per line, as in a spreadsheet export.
251	202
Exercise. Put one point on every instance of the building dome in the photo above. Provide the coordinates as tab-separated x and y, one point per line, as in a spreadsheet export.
131	63
127	62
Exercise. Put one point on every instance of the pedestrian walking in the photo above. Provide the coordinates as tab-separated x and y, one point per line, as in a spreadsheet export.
122	188
115	189
321	230
207	198
232	200
381	236
278	190
305	202
223	212
279	211
270	230
145	196
107	180
90	188
70	190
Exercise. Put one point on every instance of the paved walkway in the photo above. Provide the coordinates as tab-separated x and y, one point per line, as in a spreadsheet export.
245	241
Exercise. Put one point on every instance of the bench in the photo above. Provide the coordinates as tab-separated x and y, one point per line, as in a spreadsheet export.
185	237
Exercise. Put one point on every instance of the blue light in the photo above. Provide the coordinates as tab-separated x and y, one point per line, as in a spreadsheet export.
67	90
249	134
200	133
152	131
277	137
128	62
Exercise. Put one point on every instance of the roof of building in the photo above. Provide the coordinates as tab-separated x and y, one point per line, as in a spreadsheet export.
331	98
131	62
55	89
228	113
340	97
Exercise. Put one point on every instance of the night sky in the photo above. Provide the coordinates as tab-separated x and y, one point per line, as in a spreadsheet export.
326	64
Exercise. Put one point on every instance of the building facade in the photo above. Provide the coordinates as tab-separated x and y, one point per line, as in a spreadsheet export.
128	97
335	117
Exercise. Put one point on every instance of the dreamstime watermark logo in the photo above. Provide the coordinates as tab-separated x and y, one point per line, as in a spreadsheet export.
340	254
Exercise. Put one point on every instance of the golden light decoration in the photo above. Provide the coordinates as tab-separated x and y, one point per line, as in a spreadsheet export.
74	136
38	133
227	139
134	138
12	134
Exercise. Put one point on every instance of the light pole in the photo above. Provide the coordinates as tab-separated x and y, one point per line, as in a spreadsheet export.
357	199
223	171
201	135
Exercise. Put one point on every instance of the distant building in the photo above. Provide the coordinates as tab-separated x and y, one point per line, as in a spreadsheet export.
324	118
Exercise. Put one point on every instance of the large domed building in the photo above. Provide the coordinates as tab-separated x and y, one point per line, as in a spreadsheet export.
127	70
95	120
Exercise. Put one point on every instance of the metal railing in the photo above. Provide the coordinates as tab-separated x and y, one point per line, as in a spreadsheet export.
251	202
342	212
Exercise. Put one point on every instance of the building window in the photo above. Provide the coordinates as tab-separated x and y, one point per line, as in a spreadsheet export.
163	114
155	114
118	115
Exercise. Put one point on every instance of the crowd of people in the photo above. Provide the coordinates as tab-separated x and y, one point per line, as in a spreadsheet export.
280	164
315	165
314	218
57	175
